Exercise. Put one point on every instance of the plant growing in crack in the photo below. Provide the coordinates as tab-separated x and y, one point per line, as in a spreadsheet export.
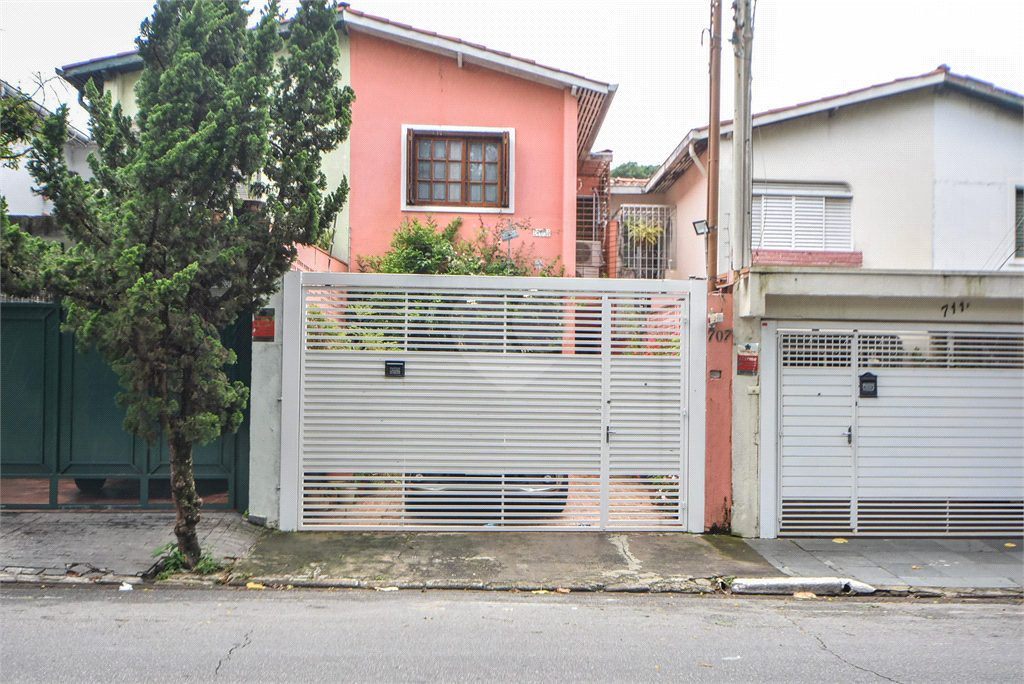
172	562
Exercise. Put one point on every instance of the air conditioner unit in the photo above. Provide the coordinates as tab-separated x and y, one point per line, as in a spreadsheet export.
588	258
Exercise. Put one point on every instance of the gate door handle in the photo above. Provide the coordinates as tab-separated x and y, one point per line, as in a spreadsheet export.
849	435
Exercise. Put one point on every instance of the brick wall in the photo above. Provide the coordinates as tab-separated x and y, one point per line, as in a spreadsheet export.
779	257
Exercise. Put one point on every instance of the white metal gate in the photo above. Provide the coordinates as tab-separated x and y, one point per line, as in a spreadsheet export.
937	451
451	402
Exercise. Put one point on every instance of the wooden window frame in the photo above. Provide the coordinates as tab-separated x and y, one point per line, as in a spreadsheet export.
413	135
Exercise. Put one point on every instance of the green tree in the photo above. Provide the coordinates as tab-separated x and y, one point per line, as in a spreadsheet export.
20	256
167	250
18	123
634	170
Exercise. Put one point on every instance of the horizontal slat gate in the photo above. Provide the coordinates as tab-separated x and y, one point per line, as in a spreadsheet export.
937	452
514	409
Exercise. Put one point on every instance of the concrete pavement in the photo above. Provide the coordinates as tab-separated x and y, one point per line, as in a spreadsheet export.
980	563
117	546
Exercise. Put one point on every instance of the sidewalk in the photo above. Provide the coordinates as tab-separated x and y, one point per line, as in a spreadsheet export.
117	546
106	546
982	563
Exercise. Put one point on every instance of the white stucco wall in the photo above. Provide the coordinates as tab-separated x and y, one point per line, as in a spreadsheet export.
265	422
883	149
979	161
16	184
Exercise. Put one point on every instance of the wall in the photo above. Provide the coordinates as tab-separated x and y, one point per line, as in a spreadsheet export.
122	89
689	197
337	164
884	150
16	184
396	84
979	161
265	422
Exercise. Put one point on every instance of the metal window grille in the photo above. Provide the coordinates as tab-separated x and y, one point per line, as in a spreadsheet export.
645	240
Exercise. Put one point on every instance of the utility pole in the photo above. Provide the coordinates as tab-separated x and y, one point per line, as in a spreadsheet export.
742	188
714	136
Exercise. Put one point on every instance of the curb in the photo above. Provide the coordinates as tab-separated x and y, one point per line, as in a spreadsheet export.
772	586
682	585
38	576
820	586
745	586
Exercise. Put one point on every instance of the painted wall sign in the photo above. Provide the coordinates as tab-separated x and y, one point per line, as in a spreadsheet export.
263	326
746	364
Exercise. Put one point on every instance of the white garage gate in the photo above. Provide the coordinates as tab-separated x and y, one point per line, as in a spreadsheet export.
897	431
451	402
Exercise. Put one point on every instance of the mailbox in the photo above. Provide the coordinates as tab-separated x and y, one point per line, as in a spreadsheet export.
869	385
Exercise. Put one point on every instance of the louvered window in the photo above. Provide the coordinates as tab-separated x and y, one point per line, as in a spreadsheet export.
805	217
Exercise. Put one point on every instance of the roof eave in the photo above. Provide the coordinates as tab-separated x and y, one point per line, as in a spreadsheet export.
676	163
471	53
100	69
595	127
941	76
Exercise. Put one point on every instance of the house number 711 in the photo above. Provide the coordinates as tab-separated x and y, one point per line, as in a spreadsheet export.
955	307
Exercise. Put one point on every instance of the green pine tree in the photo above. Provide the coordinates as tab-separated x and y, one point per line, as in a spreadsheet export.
166	247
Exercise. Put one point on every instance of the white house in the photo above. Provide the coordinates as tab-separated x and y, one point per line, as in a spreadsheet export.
24	206
875	360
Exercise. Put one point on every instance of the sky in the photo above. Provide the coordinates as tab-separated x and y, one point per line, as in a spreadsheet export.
803	49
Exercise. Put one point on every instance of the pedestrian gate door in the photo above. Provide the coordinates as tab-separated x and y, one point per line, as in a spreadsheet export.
492	403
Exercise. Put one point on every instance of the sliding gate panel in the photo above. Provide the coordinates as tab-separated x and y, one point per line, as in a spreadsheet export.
434	402
897	431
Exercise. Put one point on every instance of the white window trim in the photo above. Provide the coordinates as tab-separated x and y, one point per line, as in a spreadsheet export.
1013	262
794	190
466	208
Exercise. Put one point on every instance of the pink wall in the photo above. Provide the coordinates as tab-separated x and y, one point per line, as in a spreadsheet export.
396	85
718	434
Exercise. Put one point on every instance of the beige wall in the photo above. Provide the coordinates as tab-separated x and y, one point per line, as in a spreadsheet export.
122	89
689	197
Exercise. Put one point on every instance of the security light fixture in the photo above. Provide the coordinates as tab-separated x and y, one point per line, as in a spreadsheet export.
701	227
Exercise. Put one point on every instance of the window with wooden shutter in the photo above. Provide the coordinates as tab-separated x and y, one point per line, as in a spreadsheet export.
804	217
451	168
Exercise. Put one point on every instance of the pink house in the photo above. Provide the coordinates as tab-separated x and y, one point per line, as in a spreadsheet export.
447	128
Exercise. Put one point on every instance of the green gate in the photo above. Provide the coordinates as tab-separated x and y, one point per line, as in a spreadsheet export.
62	444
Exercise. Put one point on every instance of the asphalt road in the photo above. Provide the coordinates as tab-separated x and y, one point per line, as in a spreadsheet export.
100	634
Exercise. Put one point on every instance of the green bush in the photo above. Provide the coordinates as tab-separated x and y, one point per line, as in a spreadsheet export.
419	247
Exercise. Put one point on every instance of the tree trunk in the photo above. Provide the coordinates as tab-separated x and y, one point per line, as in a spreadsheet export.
186	502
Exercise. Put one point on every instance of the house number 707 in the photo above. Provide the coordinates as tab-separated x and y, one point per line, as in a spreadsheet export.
955	307
719	335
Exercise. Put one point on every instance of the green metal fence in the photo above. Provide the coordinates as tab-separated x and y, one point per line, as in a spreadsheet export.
61	440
